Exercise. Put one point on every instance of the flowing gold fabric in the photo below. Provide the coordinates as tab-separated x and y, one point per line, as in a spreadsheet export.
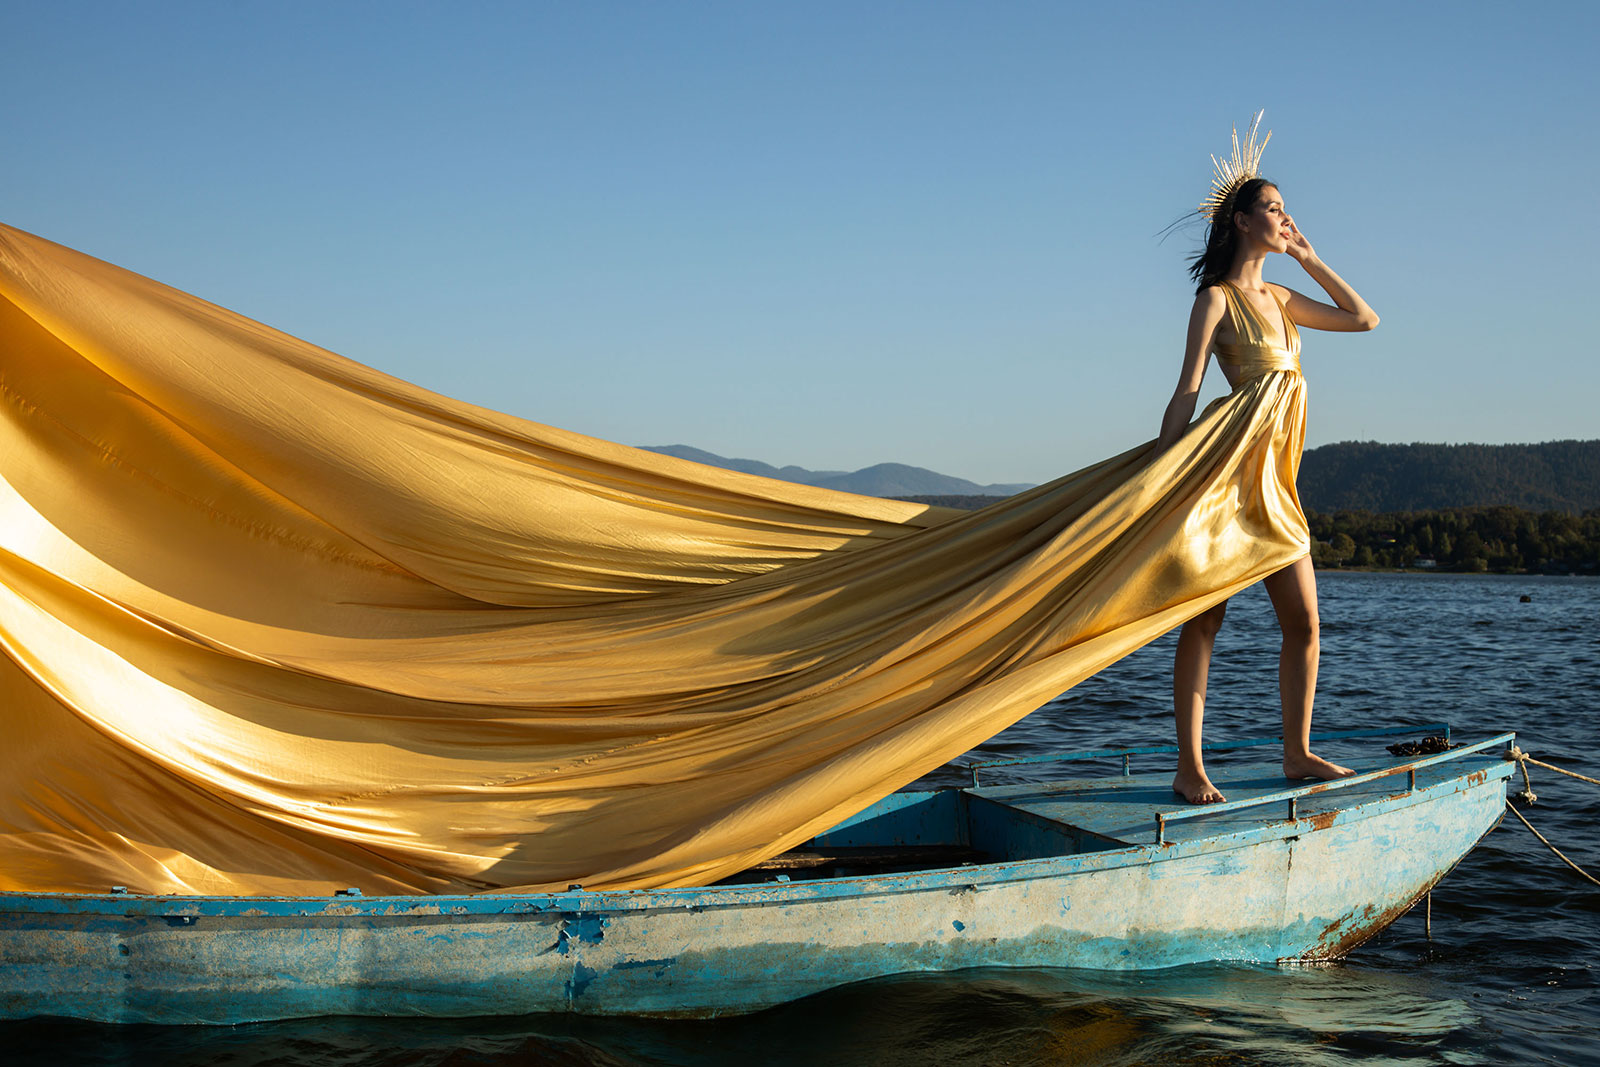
274	622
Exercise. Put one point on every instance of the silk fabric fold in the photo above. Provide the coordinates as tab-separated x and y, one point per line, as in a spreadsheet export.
275	622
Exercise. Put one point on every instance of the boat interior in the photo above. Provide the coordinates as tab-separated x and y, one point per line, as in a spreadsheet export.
981	824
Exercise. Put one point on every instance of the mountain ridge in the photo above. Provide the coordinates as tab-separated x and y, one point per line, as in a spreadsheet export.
880	479
1346	476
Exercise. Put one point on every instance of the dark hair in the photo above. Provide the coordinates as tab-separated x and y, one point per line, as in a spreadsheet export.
1222	239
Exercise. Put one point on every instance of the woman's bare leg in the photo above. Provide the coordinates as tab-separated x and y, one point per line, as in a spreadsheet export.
1294	597
1189	672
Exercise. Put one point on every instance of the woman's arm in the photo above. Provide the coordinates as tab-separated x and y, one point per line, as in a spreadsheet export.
1209	307
1352	313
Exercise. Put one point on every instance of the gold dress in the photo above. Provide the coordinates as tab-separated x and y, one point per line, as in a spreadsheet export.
275	622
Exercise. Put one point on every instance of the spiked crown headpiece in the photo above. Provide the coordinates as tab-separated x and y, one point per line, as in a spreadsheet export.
1230	173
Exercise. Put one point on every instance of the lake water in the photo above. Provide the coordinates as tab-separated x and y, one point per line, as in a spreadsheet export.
1509	976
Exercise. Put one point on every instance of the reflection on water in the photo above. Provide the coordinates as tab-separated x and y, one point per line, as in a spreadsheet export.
1508	978
1237	1014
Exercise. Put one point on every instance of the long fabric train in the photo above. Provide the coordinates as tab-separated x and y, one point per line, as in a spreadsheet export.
274	622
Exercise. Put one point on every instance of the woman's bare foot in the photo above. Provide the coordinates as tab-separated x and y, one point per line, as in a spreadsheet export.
1313	766
1196	788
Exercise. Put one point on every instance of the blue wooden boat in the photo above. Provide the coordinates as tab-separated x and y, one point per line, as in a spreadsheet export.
1110	872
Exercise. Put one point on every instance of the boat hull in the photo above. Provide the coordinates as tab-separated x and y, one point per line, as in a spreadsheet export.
1294	889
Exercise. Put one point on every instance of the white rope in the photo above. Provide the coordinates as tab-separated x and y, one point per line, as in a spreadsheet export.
1523	758
1527	796
1552	848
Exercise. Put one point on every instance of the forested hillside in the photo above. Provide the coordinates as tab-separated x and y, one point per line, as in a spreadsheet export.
1367	476
1506	508
1352	475
1502	508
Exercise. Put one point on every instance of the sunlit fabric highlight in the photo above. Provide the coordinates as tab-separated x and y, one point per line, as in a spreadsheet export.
275	622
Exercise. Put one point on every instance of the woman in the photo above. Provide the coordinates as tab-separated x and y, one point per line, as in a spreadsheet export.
1251	326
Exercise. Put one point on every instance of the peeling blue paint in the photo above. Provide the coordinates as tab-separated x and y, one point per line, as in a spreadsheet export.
580	929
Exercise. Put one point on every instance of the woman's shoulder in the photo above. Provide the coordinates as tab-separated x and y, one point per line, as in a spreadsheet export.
1210	310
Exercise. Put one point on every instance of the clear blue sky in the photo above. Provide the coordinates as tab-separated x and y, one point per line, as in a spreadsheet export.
836	234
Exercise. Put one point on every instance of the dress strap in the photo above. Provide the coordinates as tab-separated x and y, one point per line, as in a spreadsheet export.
1247	324
1251	327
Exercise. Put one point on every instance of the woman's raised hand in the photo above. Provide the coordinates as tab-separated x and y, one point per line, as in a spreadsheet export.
1299	247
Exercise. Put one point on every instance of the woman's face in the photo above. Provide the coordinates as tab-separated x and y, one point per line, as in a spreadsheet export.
1266	223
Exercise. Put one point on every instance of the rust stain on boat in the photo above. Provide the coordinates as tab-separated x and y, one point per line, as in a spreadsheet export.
1343	936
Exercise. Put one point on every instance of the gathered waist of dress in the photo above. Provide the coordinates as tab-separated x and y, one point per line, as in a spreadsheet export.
1251	361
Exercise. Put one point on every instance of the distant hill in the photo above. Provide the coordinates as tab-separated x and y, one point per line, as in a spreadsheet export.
882	479
1367	476
1350	476
959	501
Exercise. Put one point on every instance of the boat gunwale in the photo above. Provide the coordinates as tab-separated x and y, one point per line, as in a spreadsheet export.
1163	818
698	898
1210	746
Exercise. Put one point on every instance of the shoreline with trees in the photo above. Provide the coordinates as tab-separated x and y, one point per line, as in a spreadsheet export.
1482	540
1475	540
